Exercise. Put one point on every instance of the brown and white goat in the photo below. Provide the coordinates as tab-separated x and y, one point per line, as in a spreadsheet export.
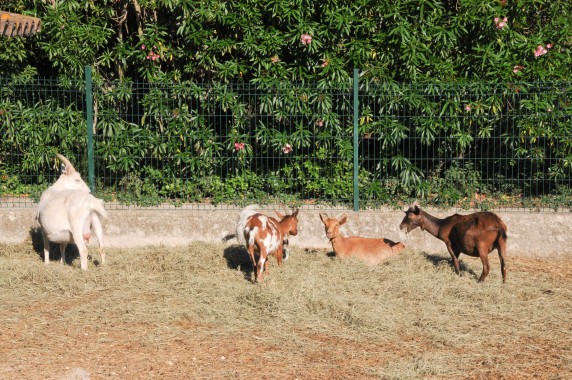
370	250
475	235
67	212
264	236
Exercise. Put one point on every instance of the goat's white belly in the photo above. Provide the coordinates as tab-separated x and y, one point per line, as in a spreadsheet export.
64	236
56	227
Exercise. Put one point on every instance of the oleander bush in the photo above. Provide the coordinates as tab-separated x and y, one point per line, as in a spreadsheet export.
459	101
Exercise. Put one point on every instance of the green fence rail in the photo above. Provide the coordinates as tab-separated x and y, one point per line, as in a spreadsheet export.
354	144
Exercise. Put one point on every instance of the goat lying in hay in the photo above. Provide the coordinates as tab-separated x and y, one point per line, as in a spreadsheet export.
67	212
475	235
265	236
370	250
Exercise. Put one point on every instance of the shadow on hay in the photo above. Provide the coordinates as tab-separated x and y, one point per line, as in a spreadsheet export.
438	260
72	253
237	257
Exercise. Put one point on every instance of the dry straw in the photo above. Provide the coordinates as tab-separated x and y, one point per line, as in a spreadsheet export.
193	312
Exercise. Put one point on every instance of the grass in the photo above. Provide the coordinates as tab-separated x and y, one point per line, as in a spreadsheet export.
193	312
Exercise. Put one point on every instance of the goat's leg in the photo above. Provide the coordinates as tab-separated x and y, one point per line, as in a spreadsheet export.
63	253
46	249
455	257
262	264
102	255
266	266
96	223
484	255
279	255
501	248
83	252
250	249
81	246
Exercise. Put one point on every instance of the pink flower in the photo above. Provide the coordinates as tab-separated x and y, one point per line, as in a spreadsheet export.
287	148
143	47
319	123
275	59
540	50
238	146
325	62
517	69
467	108
153	56
306	39
500	23
549	46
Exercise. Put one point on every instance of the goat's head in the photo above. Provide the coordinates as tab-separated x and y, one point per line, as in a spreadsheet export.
412	218
70	179
332	225
290	222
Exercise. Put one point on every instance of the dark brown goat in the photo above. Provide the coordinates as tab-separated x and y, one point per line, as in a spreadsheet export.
475	235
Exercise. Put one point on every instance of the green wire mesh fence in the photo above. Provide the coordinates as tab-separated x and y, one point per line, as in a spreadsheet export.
223	144
460	145
477	145
37	119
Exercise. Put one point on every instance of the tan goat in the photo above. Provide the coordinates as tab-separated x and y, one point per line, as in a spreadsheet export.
370	250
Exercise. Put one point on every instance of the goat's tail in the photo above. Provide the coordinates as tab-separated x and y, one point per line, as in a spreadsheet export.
97	206
244	215
502	230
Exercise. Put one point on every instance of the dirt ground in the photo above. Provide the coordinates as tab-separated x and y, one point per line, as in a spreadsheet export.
70	325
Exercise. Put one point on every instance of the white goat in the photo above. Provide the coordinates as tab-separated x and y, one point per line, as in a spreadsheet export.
67	212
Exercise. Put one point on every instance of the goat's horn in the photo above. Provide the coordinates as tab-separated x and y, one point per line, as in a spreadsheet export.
283	209
65	161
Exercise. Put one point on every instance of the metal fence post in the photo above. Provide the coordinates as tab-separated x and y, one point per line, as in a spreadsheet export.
89	121
356	124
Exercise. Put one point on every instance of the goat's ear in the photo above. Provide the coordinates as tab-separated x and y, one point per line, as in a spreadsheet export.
69	170
343	219
413	207
295	213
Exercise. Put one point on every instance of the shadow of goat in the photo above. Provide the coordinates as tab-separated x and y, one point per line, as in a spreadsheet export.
72	253
237	258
